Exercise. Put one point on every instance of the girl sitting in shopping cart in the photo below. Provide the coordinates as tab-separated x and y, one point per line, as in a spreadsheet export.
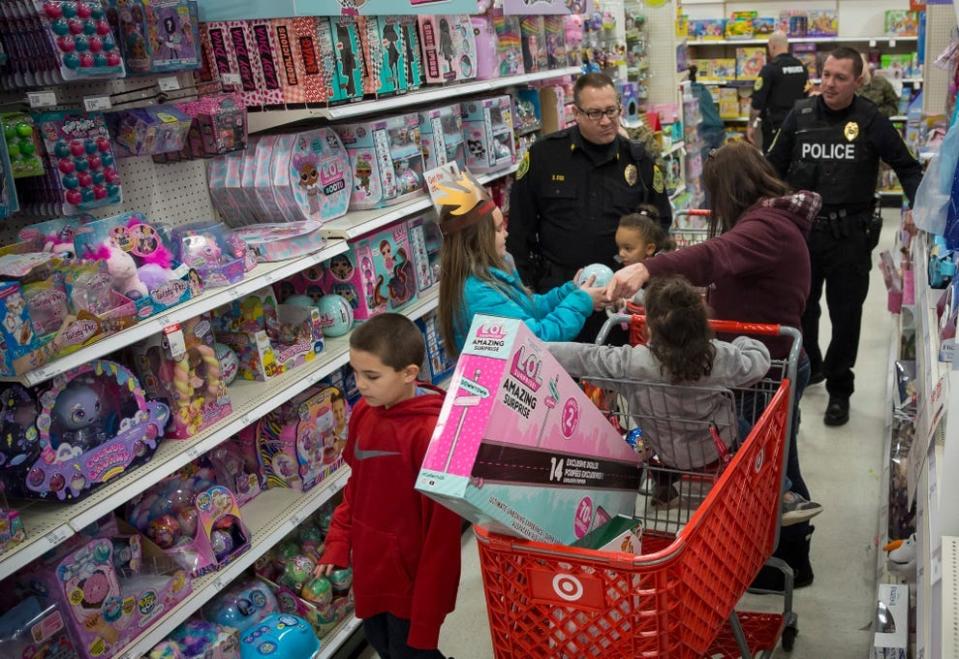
674	419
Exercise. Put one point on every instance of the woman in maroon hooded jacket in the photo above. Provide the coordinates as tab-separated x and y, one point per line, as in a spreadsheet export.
756	267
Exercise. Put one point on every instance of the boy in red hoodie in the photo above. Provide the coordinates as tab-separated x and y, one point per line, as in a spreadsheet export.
404	548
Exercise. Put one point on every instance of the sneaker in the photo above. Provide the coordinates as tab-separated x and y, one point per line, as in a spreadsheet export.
837	412
796	509
666	497
816	377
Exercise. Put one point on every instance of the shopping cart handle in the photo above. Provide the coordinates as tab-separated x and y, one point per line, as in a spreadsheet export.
735	327
699	212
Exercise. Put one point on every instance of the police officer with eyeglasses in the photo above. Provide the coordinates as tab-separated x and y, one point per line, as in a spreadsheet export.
573	186
832	144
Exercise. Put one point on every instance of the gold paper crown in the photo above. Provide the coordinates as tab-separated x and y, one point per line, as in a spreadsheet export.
464	194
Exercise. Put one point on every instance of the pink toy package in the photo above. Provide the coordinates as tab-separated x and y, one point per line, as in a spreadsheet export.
449	48
520	447
247	56
487	63
292	72
223	57
271	66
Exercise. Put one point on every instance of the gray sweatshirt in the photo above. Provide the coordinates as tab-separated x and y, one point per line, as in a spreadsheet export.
674	418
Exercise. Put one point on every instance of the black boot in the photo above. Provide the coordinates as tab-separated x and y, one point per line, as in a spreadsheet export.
795	551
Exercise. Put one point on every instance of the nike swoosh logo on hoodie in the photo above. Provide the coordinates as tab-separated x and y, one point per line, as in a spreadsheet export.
360	454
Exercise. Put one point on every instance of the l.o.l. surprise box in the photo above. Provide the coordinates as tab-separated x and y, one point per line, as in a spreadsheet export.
519	447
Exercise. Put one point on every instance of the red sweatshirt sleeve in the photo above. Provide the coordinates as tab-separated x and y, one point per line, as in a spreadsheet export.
438	571
748	246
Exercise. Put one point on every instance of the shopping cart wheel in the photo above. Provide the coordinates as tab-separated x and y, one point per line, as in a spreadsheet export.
789	637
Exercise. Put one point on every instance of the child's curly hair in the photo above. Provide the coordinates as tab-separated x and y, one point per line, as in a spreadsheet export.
679	333
646	222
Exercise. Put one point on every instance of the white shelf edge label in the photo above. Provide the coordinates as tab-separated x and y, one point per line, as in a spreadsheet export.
230	78
168	84
97	103
57	536
45	99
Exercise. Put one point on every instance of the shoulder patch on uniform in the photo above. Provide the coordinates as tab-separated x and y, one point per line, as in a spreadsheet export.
758	84
523	166
658	183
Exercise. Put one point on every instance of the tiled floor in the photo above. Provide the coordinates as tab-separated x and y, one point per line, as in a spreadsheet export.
841	467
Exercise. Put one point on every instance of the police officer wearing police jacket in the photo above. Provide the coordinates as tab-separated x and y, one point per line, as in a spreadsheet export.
832	144
781	82
571	189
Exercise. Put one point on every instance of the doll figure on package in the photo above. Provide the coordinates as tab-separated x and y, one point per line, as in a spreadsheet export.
386	268
320	177
449	47
173	36
509	48
341	54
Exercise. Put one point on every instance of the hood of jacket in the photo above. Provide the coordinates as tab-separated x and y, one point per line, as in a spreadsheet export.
799	208
424	403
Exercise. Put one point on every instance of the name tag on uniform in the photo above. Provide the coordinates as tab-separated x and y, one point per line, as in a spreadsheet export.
829	151
558	178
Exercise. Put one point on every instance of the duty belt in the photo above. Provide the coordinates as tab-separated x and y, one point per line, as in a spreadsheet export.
840	222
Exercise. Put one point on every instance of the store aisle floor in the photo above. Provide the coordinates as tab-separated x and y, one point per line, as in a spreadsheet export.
841	467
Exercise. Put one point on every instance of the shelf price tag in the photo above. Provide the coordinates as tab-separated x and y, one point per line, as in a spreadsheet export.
168	84
97	103
57	536
231	79
45	99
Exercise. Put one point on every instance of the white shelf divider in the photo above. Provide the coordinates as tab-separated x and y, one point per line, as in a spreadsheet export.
891	40
49	524
260	121
263	275
270	517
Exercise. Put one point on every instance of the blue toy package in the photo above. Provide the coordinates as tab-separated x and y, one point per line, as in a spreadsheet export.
279	635
342	55
156	36
9	203
951	233
439	364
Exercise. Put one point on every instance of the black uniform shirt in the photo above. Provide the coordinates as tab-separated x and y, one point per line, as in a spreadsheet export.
780	84
568	198
885	140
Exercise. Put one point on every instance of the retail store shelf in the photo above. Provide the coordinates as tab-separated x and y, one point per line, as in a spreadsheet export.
736	120
263	275
950	596
337	638
899	117
892	40
674	147
270	516
260	121
358	223
49	524
890	193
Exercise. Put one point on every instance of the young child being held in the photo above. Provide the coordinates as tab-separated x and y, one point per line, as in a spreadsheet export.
403	547
639	236
681	351
478	276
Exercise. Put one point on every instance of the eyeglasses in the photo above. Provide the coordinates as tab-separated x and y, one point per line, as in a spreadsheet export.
597	115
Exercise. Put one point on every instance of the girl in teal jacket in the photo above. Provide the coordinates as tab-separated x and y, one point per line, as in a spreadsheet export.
477	276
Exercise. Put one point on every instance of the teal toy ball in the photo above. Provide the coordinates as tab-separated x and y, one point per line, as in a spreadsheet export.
304	301
336	315
602	273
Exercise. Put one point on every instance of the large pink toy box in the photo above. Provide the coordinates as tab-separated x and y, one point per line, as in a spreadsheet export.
519	447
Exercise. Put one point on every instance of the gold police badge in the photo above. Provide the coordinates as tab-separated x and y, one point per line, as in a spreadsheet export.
758	84
631	174
851	131
658	183
523	166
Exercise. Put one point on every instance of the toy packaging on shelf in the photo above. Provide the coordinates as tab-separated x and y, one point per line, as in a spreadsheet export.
301	443
276	242
509	48
106	601
514	416
316	80
247	57
764	26
487	64
902	23
149	130
271	68
237	467
707	29
740	25
533	34
194	522
556	54
199	639
218	126
89	425
441	136
527	115
139	260
488	129
393	64
422	231
316	175
386	158
181	368
902	65
23	144
806	53
823	23
794	22
728	103
723	68
749	62
214	252
33	629
268	338
78	144
341	57
449	48
11	526
245	603
157	37
439	364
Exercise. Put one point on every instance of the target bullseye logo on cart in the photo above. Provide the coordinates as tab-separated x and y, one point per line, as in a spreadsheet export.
758	463
567	587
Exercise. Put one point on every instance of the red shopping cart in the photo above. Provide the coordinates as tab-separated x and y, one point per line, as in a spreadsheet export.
703	543
690	226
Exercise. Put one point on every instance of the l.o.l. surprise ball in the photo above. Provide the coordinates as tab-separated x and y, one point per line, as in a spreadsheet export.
602	273
229	363
318	591
336	315
300	301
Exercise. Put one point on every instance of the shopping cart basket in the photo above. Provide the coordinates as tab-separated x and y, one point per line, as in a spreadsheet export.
699	556
690	226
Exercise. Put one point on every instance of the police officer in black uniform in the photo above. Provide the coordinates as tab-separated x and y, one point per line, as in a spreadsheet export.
571	189
782	82
832	144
